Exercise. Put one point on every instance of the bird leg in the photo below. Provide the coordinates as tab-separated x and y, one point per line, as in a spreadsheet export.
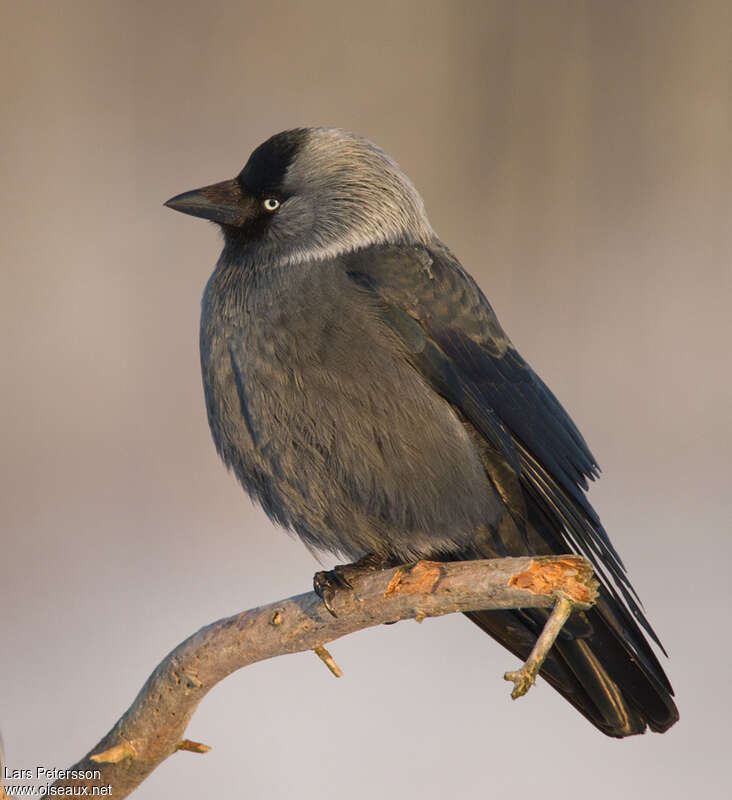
525	678
327	582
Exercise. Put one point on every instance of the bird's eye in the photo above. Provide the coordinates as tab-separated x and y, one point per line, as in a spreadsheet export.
271	204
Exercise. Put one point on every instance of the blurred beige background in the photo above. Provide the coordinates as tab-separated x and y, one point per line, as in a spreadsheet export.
577	156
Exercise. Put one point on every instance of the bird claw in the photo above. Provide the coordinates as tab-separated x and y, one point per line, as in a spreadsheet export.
327	582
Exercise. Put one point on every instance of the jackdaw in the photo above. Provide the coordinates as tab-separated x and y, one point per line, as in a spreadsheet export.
360	387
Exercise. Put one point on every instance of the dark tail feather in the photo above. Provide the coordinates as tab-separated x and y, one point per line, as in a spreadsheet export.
621	689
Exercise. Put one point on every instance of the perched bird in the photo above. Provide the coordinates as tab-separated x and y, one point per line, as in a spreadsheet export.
360	387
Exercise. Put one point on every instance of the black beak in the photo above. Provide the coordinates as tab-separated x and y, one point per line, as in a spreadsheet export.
222	202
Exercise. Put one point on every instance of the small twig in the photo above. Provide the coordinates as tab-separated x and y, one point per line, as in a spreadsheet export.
525	678
327	659
192	747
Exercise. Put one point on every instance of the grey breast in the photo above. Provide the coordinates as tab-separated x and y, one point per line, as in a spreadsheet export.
314	406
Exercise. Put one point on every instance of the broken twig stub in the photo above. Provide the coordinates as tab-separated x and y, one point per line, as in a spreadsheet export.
115	754
328	660
193	747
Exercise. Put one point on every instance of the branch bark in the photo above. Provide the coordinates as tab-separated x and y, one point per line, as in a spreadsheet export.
153	727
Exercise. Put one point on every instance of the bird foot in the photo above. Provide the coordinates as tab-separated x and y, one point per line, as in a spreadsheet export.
327	583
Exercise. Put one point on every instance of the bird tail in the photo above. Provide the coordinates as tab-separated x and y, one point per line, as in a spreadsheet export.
601	663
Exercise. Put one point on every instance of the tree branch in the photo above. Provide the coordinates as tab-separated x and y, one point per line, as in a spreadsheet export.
153	727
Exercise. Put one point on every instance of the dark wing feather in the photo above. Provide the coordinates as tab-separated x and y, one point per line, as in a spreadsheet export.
539	463
456	342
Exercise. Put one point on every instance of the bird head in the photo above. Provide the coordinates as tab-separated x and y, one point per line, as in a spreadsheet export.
312	193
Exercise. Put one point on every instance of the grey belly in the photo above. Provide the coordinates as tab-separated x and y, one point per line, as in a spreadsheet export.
325	423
